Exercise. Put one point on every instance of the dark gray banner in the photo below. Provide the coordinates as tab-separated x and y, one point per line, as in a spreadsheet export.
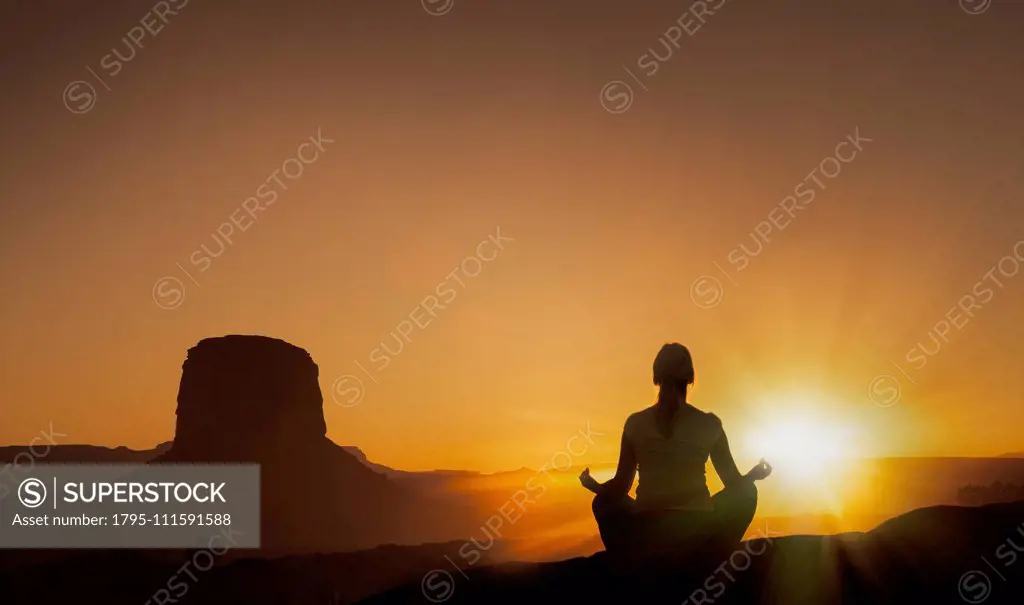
132	506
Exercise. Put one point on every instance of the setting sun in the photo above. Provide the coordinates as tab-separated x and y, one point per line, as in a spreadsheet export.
802	447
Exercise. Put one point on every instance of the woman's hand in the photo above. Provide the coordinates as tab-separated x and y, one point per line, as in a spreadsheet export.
762	470
589	482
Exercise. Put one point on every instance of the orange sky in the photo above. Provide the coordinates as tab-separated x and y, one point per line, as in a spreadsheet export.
448	127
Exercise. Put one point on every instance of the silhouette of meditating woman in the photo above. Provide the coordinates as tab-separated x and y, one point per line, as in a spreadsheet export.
670	443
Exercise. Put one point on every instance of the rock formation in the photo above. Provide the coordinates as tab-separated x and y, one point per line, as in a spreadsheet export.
258	399
245	398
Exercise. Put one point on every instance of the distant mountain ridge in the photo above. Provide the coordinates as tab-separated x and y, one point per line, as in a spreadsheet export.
904	483
395	473
124	455
82	453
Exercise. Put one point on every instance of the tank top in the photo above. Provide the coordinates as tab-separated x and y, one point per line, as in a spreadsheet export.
672	470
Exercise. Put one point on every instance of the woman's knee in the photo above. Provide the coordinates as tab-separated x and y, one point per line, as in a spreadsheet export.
602	504
745	491
607	507
748	495
740	498
741	490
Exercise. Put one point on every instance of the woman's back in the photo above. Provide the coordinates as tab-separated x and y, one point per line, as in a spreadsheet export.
672	468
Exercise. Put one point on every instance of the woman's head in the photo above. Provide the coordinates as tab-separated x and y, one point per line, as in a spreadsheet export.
673	368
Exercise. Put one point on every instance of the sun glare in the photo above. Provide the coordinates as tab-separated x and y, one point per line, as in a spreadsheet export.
803	446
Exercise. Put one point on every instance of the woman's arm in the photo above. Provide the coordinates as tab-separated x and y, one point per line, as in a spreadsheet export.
619	485
725	465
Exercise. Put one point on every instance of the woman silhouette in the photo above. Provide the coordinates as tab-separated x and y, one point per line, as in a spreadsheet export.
670	443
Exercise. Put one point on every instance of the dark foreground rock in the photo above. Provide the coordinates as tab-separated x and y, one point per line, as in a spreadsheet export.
179	577
938	555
